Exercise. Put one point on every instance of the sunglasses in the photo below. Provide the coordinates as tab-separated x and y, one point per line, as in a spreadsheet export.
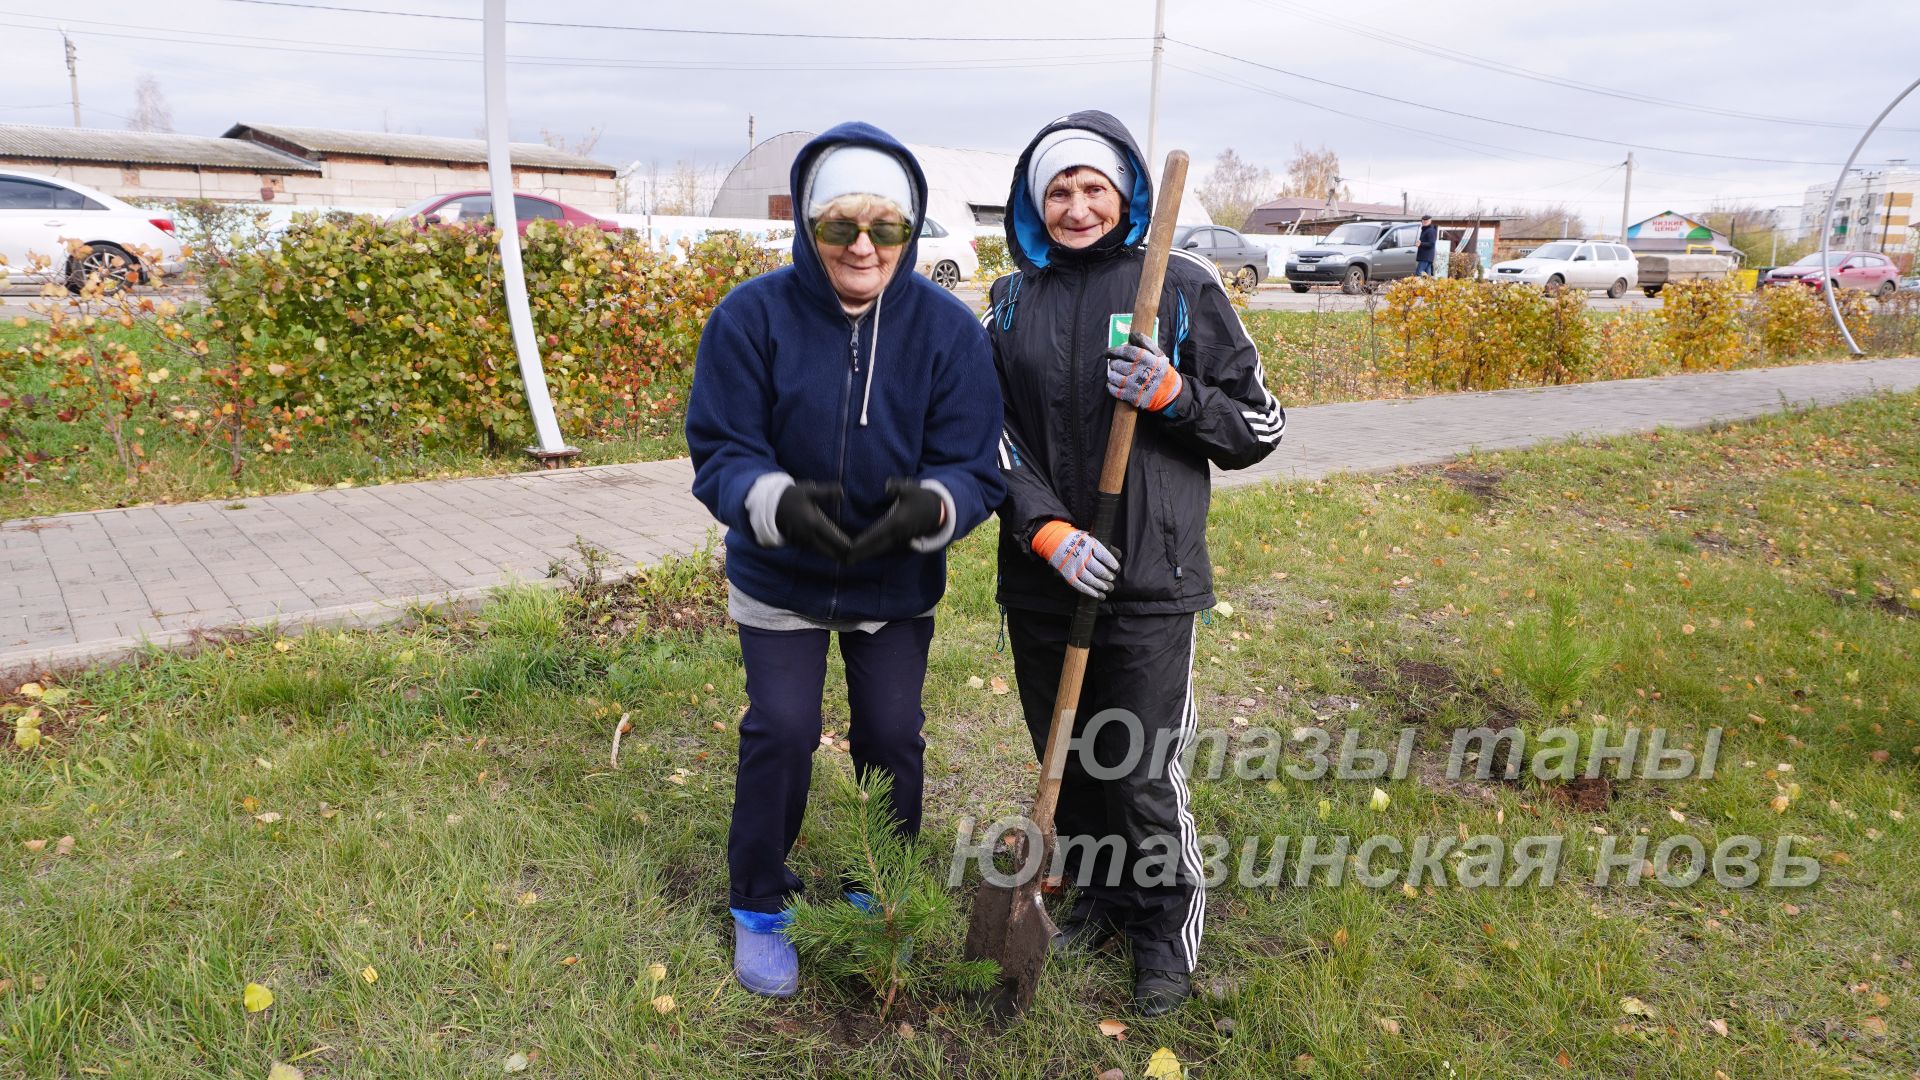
842	233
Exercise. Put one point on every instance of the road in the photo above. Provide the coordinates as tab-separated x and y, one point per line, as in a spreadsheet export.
1270	297
1273	297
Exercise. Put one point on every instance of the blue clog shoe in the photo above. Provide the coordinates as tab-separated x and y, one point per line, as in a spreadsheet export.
763	959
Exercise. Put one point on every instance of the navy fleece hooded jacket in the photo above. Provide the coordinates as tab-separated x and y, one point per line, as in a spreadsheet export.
787	382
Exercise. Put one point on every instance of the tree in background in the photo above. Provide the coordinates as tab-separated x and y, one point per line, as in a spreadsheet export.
1314	174
583	145
150	109
686	190
1554	219
1757	233
1233	188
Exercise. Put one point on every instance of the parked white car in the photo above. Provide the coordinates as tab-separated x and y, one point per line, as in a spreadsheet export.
1574	264
947	258
39	214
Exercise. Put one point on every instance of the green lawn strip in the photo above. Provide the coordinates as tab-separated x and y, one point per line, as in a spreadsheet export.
85	475
448	816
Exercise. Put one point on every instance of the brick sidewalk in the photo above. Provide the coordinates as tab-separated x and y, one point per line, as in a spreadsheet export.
81	588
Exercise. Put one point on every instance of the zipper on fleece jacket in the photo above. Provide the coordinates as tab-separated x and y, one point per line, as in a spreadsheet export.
840	477
1076	410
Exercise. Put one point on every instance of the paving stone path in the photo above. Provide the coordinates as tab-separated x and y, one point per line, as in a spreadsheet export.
90	587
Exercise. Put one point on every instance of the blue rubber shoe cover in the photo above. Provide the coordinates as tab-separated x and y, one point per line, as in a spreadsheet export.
763	959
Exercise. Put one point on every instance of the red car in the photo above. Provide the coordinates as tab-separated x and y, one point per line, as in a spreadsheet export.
469	207
1868	270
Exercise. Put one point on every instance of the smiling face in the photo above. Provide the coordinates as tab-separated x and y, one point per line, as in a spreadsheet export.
860	270
1082	206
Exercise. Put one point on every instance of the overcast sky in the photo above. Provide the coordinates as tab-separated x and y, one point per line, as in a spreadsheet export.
666	97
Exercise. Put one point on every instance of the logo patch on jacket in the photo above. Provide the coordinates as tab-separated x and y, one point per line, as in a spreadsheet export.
1120	328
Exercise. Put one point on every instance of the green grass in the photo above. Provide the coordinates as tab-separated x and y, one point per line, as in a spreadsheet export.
447	813
182	468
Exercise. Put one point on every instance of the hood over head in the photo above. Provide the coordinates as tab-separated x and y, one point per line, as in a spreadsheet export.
1027	238
800	181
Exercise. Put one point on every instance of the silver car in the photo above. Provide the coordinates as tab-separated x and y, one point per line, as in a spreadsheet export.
1238	259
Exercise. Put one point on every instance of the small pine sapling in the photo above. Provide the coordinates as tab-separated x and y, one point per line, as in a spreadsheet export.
902	938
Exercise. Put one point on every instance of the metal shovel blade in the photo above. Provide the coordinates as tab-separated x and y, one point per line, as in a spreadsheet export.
1010	927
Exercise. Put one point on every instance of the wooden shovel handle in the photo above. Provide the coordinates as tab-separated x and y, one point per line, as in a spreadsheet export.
1113	475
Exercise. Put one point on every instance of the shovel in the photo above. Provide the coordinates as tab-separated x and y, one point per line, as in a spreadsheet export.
1010	925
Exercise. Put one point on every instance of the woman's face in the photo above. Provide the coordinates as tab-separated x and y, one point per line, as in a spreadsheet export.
860	270
1082	205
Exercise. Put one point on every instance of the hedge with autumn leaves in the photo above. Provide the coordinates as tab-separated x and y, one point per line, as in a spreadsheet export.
1457	334
365	322
369	332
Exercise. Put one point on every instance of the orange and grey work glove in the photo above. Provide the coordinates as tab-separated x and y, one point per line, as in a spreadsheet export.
1138	373
1081	561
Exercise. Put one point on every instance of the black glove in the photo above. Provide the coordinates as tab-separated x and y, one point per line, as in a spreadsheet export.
804	524
916	512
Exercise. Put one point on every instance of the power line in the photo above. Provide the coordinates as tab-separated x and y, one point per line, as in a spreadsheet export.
1499	66
678	29
337	48
1482	119
1471	146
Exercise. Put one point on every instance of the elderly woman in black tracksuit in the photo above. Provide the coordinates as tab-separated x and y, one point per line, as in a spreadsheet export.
1076	218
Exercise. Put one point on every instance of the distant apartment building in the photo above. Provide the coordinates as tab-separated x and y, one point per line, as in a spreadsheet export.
1874	210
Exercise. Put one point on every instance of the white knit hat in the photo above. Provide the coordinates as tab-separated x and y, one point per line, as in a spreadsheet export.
1072	148
859	170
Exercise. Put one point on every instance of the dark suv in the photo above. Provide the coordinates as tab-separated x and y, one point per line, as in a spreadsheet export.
1357	256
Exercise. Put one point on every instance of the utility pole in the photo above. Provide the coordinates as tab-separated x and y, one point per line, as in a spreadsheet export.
1153	93
1406	208
73	76
749	131
1626	197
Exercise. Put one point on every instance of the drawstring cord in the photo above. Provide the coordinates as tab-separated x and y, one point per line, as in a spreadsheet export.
873	357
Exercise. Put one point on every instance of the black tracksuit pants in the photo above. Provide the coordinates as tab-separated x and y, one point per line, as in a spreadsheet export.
1148	880
786	675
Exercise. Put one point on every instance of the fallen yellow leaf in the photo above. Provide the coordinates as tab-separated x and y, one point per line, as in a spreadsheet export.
1389	1025
657	972
663	1004
1163	1066
283	1071
282	645
369	974
256	997
1379	801
1633	1006
1719	1026
1340	939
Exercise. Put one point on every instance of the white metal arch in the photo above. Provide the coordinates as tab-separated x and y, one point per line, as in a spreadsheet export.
1826	220
533	376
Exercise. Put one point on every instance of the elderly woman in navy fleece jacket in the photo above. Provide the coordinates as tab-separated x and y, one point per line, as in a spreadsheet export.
843	423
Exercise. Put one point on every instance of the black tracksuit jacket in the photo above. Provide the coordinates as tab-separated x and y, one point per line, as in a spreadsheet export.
1049	323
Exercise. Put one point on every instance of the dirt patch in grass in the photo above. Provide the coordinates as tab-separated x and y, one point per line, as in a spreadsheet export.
1411	690
1588	793
680	594
1484	486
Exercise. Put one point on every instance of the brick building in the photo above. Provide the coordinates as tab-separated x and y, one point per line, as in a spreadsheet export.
291	166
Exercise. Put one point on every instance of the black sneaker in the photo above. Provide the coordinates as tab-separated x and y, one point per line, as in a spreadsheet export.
1157	993
1078	937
